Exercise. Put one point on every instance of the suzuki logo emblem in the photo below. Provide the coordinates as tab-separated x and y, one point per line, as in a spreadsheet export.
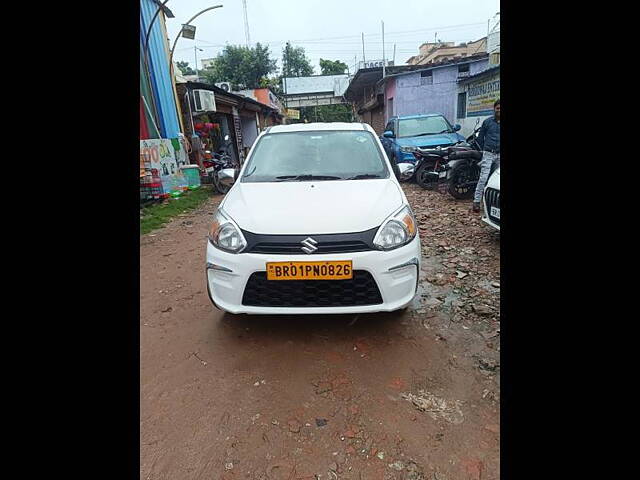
309	245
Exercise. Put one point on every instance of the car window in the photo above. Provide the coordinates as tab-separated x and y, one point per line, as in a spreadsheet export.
412	127
336	154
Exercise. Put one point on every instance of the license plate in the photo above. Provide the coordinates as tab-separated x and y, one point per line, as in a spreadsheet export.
495	212
209	170
442	174
332	270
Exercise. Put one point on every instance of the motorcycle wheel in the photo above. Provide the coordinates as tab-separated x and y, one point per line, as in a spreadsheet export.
463	181
219	187
396	171
424	179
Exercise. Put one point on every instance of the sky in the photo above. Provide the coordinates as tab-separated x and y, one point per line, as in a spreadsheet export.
329	29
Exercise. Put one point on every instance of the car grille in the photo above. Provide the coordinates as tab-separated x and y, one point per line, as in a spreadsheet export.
292	244
492	199
360	290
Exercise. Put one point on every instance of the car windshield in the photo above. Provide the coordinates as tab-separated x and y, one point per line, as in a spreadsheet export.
413	127
316	155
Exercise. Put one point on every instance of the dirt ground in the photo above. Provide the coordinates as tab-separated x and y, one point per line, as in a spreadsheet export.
411	395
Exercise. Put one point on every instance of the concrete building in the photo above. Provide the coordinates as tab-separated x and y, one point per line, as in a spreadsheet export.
410	90
431	89
365	93
443	51
206	63
263	95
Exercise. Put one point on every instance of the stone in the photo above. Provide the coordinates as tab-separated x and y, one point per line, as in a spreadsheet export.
294	426
483	310
493	428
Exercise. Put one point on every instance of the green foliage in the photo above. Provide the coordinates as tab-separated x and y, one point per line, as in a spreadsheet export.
243	67
330	67
295	63
325	113
274	84
156	215
185	68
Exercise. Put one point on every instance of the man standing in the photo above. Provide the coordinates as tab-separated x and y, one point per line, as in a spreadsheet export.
489	141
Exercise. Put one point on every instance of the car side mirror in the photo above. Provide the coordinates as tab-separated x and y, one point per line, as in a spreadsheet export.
227	176
456	127
388	134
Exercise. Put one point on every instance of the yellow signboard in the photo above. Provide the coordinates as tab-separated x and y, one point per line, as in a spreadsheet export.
295	114
482	95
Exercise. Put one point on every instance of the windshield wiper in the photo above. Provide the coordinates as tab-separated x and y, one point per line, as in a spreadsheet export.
364	175
307	177
433	133
251	172
423	134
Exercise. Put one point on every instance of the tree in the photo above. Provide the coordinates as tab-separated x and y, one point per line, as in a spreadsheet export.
329	67
242	66
185	68
274	84
295	63
326	113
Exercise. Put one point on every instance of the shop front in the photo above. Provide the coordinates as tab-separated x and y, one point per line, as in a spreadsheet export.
208	123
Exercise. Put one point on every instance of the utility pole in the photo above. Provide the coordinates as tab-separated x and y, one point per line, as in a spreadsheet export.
383	57
246	24
363	58
195	52
394	53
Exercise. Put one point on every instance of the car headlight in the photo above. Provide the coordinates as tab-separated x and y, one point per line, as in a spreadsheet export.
225	234
397	230
408	149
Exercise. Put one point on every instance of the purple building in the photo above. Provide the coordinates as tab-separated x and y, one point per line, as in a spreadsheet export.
431	89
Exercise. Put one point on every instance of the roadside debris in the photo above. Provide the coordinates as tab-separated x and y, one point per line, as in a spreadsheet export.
436	407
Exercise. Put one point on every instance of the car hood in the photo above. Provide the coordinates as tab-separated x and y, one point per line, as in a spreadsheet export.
429	140
306	208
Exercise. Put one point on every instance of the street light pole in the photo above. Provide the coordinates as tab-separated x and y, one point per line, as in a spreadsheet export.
172	73
180	32
195	51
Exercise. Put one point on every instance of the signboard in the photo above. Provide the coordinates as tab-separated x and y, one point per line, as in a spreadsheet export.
237	124
189	31
374	64
335	84
291	113
481	95
158	161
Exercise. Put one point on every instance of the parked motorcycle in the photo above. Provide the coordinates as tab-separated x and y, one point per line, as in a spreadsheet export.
458	166
219	164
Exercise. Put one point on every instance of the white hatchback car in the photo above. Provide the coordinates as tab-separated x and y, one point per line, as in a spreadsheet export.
315	223
491	210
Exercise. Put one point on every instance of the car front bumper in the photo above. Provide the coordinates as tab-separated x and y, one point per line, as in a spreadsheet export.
485	216
395	272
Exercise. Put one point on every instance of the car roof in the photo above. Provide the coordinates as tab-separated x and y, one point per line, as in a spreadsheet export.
311	127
